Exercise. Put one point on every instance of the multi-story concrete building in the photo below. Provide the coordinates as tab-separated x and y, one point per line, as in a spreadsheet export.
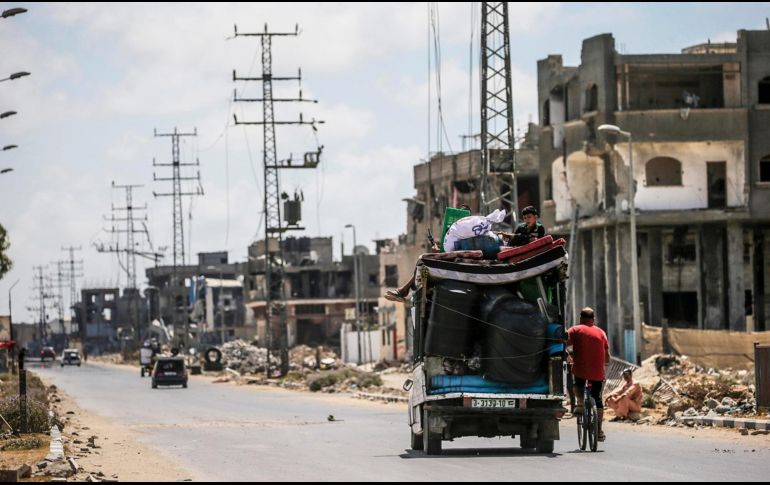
107	318
174	295
700	122
319	292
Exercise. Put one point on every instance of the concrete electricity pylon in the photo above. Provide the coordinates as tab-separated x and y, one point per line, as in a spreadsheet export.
498	158
274	227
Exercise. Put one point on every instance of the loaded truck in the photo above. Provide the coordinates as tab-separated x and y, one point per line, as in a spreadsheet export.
488	345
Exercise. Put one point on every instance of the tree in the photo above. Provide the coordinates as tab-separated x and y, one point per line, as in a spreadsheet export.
5	261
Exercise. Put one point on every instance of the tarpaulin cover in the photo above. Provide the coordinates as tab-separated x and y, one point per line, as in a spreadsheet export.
707	348
476	383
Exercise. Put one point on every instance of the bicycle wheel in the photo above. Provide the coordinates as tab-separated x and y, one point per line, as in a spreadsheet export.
592	430
581	431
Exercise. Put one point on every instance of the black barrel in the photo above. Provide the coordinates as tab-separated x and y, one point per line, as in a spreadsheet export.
450	326
514	342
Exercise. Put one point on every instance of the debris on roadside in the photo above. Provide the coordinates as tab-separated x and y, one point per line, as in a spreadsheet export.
676	388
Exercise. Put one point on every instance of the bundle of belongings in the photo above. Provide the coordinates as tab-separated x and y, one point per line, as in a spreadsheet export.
471	238
491	310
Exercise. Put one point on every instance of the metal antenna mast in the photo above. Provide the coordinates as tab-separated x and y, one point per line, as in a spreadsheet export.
274	266
498	160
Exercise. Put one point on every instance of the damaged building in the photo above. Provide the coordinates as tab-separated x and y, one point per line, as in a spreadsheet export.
107	319
700	127
207	297
319	292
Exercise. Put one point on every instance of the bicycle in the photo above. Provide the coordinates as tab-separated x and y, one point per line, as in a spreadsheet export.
588	421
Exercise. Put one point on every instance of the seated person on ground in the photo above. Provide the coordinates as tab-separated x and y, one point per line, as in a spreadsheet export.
626	400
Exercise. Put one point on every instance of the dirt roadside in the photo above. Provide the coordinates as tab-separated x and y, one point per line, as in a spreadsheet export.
116	454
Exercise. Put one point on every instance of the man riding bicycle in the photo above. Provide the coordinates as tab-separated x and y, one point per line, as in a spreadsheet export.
589	355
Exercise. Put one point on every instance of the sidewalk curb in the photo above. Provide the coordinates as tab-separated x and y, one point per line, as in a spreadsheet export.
56	449
755	424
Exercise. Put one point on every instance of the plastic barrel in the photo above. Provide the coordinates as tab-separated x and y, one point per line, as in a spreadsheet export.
451	327
515	341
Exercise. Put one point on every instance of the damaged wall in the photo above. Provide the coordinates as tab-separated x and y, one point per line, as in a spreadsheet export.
693	193
583	180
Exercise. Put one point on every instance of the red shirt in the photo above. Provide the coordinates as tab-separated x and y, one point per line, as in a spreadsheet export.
590	348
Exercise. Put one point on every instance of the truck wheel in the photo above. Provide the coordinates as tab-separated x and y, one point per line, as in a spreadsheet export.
528	443
154	385
431	442
184	386
545	446
416	441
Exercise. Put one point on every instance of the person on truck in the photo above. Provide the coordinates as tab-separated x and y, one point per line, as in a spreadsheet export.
526	232
400	294
589	355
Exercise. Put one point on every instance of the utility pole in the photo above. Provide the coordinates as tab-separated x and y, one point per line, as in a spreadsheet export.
75	271
274	268
60	282
40	287
177	193
128	216
498	158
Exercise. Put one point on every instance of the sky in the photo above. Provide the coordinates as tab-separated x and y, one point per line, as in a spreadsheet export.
105	76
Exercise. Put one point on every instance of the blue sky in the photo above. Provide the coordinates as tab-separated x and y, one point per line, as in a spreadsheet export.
104	76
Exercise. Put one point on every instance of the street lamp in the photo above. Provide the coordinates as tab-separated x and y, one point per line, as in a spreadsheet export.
12	11
6	170
7	114
355	286
10	147
15	75
632	212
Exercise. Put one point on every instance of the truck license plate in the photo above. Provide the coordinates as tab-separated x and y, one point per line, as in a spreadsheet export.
493	403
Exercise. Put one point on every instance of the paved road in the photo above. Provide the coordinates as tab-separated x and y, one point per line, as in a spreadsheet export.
226	433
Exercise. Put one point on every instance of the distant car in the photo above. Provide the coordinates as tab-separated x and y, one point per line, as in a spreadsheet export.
47	353
70	357
169	371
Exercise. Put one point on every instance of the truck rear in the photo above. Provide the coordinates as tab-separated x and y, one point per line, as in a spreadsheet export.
488	347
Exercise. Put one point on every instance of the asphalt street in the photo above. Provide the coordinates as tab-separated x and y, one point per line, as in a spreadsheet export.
221	432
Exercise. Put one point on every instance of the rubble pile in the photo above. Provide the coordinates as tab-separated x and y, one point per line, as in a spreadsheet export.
305	357
245	358
343	380
695	391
